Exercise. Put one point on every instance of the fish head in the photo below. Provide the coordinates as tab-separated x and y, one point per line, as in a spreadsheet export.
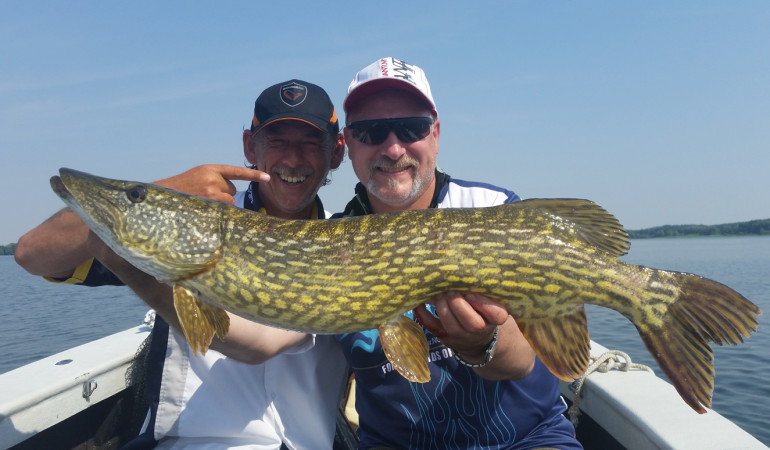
165	233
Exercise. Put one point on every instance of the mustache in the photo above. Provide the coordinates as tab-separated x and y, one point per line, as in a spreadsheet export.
292	172
404	162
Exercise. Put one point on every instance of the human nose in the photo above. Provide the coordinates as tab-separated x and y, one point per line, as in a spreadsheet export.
293	155
393	147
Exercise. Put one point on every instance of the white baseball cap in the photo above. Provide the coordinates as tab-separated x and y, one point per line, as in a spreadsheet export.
388	73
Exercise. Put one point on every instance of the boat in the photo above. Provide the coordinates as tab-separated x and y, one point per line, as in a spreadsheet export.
635	409
83	397
90	397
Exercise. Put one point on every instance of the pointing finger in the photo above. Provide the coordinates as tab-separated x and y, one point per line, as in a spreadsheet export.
242	173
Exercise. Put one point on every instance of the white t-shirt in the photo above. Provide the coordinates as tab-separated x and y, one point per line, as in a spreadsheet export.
215	402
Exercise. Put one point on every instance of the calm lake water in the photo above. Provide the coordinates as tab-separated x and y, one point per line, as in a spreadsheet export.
43	318
741	390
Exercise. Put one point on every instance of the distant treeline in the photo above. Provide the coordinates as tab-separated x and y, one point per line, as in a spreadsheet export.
9	249
752	227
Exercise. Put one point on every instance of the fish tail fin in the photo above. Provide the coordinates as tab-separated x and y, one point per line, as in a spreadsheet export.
199	321
705	311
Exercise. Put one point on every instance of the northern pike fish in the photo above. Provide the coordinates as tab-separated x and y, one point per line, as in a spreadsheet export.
543	259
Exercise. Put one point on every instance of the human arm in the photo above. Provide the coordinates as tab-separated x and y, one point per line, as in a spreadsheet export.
57	246
466	324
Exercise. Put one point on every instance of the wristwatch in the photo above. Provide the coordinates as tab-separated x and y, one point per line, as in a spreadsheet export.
488	354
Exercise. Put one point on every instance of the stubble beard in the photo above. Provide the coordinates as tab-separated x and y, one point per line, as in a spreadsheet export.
389	194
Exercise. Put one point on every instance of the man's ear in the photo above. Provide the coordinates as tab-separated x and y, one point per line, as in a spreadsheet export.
338	153
249	149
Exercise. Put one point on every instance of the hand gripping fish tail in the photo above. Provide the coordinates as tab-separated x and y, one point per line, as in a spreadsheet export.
543	259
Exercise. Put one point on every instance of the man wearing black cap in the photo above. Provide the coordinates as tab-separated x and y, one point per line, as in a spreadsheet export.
259	386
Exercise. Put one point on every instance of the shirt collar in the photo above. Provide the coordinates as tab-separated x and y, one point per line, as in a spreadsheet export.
360	205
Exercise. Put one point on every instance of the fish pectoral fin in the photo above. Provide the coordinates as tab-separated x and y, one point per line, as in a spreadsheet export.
561	342
199	321
404	343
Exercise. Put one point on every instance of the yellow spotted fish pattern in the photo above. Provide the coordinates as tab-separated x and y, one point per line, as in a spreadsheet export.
543	259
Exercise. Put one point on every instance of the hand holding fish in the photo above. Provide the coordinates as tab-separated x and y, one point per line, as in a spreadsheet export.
468	324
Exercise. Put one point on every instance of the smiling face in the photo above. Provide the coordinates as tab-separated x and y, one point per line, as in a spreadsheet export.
298	158
398	175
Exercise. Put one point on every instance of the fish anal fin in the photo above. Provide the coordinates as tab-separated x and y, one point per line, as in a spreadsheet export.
561	342
686	360
199	321
404	343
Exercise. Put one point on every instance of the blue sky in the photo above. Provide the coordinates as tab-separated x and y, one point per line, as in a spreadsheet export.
657	110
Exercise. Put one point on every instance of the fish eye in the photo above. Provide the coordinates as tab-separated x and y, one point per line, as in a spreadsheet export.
137	193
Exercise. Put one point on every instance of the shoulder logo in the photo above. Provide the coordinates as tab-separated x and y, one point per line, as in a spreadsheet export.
293	94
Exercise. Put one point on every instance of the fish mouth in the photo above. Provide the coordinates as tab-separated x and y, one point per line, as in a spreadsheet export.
61	190
98	215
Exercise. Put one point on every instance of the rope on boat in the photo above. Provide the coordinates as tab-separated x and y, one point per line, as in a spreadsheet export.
149	318
607	361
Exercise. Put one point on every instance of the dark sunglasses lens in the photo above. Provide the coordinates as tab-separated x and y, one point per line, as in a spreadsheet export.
372	133
375	132
412	130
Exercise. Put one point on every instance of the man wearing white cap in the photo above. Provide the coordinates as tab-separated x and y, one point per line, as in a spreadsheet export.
487	387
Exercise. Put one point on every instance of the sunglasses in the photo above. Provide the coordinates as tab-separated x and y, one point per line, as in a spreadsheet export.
407	129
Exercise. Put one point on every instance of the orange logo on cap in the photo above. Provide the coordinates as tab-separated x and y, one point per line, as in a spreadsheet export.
293	94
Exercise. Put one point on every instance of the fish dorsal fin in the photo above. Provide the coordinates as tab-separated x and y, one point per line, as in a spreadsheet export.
561	342
404	343
592	223
199	321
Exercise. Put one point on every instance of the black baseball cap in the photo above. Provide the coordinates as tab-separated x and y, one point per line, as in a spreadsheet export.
295	100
